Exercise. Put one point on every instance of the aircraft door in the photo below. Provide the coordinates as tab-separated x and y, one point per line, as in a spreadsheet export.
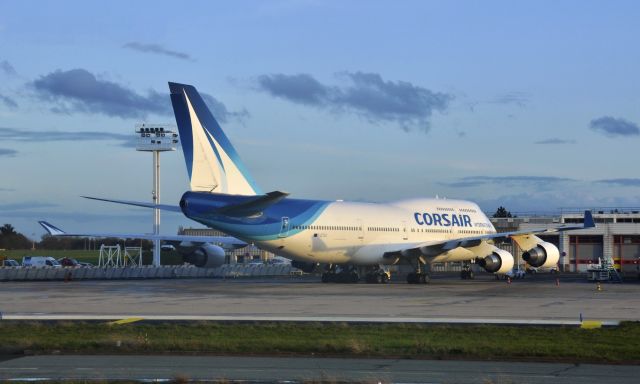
360	230
405	232
284	227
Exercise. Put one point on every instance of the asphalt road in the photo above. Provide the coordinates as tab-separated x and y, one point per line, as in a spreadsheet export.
447	297
266	369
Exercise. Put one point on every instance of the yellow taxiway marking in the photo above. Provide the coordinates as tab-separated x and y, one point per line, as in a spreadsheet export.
591	324
126	321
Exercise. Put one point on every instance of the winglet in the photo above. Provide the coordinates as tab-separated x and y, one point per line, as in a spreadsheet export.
52	229
588	220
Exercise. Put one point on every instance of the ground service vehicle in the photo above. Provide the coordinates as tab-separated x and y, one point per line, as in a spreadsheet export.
40	262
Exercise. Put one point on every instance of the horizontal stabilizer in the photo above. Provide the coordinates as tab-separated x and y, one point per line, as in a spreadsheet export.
252	206
219	240
164	207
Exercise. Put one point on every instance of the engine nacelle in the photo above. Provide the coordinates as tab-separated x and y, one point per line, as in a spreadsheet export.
206	256
542	255
304	267
499	261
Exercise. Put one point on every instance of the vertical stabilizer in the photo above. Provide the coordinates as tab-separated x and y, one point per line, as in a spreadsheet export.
212	162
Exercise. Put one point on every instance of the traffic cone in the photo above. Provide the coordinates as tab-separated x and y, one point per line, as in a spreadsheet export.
508	280
599	287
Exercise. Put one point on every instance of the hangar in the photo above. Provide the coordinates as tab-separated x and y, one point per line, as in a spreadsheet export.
616	237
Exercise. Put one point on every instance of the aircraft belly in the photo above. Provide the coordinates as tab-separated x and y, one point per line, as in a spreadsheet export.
306	247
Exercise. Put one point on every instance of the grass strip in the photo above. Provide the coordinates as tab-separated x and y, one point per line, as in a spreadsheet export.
568	344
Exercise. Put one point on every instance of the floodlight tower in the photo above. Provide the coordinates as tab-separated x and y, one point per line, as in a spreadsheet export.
156	138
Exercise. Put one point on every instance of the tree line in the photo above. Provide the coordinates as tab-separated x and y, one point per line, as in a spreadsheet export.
10	239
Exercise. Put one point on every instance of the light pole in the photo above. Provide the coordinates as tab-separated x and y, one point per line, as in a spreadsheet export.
156	138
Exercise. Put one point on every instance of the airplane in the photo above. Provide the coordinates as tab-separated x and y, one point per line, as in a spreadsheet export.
201	251
350	238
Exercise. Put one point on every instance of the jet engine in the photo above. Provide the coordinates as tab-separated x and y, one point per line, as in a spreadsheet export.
304	267
542	255
499	261
206	256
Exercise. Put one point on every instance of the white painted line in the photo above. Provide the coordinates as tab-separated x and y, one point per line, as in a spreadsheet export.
345	319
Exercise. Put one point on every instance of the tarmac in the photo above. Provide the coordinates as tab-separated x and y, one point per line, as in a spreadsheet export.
304	370
539	300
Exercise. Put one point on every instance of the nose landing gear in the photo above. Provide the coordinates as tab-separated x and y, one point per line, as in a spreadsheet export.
421	275
467	273
418	278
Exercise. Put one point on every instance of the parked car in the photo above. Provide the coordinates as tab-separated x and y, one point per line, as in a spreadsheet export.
10	263
167	247
513	274
85	264
280	260
68	262
40	262
534	270
516	273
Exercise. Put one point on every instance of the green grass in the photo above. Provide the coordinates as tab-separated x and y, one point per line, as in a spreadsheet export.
611	345
166	257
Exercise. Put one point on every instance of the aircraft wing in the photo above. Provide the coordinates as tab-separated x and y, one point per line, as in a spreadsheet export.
525	238
227	240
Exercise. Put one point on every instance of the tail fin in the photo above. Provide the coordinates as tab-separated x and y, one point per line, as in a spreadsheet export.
51	229
212	162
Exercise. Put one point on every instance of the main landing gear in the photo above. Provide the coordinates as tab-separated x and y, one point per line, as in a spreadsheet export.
335	274
420	276
377	276
467	273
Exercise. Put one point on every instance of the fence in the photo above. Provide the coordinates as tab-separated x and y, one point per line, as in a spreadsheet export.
144	272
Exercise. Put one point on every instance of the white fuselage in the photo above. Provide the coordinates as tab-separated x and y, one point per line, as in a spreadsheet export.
361	233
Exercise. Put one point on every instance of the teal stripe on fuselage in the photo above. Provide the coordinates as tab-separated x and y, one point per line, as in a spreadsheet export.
201	207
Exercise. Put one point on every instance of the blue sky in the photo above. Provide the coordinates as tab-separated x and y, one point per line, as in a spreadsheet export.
530	105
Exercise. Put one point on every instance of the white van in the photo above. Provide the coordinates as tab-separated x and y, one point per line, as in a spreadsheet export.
40	262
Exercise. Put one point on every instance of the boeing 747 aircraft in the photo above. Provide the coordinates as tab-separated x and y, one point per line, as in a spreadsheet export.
339	234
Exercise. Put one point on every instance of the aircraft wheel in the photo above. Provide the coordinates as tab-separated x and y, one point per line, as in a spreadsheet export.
353	277
412	278
384	278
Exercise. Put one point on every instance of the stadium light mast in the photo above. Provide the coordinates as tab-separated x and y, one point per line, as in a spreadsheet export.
156	138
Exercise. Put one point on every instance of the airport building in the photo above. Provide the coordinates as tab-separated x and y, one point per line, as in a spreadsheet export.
616	237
